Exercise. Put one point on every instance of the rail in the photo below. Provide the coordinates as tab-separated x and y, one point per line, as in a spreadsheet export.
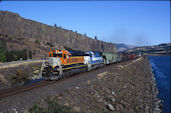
16	90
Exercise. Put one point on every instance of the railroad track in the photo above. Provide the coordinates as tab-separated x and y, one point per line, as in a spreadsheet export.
16	90
20	89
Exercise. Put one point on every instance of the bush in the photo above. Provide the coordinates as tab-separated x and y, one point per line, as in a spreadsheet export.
34	52
37	42
67	48
30	54
52	107
49	44
3	50
102	111
37	109
16	55
19	77
7	56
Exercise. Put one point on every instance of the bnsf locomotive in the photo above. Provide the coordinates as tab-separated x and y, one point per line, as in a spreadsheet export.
66	62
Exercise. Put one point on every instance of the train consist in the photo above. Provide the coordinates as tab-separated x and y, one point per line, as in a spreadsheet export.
64	62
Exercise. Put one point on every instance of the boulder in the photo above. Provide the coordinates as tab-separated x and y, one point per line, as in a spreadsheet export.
77	109
110	107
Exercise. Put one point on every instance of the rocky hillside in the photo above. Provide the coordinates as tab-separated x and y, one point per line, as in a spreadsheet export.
37	38
112	89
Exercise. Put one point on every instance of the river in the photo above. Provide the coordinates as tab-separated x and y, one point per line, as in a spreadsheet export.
161	70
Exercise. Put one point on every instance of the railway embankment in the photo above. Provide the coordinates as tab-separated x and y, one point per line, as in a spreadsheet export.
18	72
122	87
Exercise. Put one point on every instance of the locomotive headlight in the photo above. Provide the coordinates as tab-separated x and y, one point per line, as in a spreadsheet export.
43	72
55	73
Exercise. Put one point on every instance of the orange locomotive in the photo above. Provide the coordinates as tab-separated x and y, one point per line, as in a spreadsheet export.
65	57
61	61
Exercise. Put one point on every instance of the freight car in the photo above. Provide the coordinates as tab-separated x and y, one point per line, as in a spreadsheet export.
110	58
128	56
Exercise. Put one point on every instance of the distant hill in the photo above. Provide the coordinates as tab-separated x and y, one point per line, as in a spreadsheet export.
161	49
123	47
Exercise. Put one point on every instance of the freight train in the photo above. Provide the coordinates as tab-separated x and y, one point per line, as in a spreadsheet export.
67	62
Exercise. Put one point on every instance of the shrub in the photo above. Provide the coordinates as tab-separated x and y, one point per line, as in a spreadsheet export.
49	44
16	55
19	77
52	107
3	50
95	37
34	52
30	54
85	34
67	48
10	37
2	57
37	41
37	109
102	111
7	56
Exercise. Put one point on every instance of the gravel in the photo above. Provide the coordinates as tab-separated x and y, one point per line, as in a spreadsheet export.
127	86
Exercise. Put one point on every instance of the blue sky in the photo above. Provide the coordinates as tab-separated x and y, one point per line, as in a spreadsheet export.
132	22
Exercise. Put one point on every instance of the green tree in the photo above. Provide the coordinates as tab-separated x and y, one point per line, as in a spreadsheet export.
55	25
3	50
30	54
49	44
37	41
95	37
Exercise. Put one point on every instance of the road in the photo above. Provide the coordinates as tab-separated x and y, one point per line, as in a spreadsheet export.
20	62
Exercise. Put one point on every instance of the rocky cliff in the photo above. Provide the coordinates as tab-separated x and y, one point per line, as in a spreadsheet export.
36	36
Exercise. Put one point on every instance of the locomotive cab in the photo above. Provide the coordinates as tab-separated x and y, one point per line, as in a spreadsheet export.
62	55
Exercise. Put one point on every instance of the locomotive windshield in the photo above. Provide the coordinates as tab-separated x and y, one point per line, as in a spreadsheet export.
57	55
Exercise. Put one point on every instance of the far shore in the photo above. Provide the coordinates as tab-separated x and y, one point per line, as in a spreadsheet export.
157	54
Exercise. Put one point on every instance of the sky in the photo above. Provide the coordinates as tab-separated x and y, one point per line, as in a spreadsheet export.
139	23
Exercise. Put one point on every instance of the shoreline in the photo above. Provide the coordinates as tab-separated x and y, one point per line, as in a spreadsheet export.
158	102
157	54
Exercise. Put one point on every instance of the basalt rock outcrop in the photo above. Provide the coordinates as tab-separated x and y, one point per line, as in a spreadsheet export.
34	35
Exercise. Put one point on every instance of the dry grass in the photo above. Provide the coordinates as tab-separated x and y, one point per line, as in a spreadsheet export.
21	63
101	75
19	77
2	79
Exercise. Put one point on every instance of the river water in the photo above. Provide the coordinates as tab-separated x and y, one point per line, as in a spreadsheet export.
161	70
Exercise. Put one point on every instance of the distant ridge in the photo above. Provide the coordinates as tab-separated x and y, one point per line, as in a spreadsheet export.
160	49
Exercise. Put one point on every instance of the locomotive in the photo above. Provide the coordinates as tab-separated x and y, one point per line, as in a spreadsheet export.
67	62
64	62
